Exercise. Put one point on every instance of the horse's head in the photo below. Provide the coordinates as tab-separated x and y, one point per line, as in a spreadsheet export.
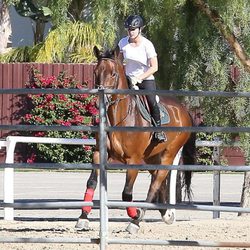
109	69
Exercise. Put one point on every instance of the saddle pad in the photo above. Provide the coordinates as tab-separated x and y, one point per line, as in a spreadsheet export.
165	118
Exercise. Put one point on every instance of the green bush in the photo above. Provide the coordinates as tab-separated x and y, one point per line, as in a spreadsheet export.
59	109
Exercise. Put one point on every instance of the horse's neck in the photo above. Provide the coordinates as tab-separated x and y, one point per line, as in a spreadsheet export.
122	112
122	109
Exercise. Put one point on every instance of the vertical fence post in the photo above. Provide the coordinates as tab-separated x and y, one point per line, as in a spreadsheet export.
103	172
216	182
9	180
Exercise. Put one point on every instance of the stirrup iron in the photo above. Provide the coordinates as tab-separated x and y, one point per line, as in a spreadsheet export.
159	137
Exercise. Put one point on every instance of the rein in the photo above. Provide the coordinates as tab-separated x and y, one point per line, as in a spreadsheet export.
108	100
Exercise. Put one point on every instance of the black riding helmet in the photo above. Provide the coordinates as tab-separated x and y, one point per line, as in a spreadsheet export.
134	21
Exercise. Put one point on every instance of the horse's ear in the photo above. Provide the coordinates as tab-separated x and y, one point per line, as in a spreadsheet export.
96	52
117	53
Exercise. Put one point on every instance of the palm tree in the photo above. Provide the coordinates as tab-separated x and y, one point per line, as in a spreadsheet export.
5	26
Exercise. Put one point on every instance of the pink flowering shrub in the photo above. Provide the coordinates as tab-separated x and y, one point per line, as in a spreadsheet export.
59	109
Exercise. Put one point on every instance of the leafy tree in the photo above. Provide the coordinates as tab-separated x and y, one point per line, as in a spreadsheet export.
72	37
196	53
41	12
204	41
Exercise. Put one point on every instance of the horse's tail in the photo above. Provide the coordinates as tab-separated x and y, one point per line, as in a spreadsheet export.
189	158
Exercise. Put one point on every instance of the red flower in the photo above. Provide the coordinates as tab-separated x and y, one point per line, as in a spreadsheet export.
51	106
79	118
39	119
39	134
32	158
66	123
79	86
59	121
97	121
28	116
62	97
87	148
47	81
93	110
49	97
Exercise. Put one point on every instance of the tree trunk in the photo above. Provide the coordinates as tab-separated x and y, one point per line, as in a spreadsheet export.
5	26
38	32
245	196
217	21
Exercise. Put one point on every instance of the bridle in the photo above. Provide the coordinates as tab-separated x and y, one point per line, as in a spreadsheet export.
116	75
108	100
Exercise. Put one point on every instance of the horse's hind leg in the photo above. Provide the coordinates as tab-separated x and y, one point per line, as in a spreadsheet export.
83	221
162	197
167	215
158	189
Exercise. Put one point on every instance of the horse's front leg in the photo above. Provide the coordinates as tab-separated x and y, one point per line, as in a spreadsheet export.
83	221
136	214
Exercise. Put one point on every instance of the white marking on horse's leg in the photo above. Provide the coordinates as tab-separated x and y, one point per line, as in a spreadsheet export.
82	225
133	228
169	217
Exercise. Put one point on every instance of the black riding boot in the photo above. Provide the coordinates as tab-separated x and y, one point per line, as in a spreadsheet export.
159	136
155	113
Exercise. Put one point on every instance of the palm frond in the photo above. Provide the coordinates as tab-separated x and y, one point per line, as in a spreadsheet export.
70	41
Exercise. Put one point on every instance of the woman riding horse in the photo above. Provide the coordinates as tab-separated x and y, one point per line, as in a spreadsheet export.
140	65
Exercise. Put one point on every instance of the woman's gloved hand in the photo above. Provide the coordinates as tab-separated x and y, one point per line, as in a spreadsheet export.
134	80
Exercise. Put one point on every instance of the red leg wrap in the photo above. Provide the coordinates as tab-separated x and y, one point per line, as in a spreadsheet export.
132	212
89	194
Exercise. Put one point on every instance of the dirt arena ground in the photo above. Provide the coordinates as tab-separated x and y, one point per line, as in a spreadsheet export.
189	225
236	229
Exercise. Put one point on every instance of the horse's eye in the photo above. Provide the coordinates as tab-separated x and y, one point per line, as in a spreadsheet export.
113	74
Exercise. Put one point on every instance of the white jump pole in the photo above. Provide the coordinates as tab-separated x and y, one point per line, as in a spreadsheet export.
10	145
9	180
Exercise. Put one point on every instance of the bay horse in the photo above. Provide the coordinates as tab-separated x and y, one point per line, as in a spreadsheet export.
134	147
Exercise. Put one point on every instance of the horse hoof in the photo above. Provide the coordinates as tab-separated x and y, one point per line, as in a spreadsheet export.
132	228
82	225
169	217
